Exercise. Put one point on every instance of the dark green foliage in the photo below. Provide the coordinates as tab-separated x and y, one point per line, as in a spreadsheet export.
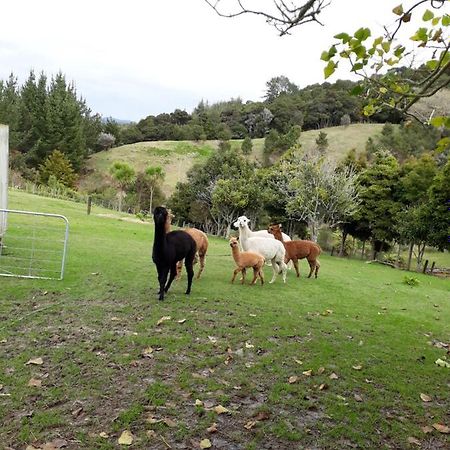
409	139
247	146
58	166
322	141
43	116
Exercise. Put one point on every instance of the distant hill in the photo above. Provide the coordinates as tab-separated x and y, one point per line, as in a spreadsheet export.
177	157
119	121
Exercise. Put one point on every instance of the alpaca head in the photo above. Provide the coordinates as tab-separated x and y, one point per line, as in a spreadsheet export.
241	222
160	215
274	228
233	242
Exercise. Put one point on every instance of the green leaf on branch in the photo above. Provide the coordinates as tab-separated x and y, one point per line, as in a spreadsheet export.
399	51
421	35
377	41
435	21
369	110
432	64
362	34
329	69
398	10
357	66
440	121
446	20
325	56
386	46
344	37
427	15
406	17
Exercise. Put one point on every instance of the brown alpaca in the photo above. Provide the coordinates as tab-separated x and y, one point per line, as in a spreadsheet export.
201	240
247	259
296	250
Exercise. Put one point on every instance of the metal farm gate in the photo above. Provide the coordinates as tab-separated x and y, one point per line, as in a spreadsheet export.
34	245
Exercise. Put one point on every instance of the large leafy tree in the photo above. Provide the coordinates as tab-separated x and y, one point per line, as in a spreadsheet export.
316	192
378	194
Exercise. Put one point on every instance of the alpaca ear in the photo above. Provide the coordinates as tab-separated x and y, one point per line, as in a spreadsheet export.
281	226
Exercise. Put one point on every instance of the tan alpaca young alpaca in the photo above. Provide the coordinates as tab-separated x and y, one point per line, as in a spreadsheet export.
245	260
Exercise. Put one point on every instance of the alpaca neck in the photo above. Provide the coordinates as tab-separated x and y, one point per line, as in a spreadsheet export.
278	235
160	236
235	252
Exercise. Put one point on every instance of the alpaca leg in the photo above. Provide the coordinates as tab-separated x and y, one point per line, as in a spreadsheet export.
261	275
188	262
173	273
235	272
202	264
243	271
162	277
312	266
295	262
283	270
255	274
275	270
179	267
317	268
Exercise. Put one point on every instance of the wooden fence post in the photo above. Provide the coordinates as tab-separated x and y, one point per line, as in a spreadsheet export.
425	266
89	205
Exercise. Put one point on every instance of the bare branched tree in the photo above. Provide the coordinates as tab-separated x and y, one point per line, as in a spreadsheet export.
283	15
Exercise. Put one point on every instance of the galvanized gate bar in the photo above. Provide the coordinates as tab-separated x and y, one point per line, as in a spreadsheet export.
64	241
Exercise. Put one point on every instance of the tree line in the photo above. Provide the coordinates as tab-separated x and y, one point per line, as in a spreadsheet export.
373	197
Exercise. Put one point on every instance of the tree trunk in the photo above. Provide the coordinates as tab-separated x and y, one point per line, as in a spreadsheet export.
344	238
363	249
151	201
411	248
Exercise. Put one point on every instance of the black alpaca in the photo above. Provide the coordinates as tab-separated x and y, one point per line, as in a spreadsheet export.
168	249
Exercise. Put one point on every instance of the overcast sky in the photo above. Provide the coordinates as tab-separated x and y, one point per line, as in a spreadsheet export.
133	58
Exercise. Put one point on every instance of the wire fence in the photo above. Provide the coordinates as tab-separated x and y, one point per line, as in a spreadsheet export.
34	245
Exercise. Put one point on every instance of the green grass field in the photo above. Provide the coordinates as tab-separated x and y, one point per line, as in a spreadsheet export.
177	157
333	363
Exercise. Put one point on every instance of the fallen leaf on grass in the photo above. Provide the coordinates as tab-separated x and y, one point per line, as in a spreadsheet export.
212	428
250	424
262	415
219	409
441	428
104	435
440	362
205	443
30	447
126	438
413	440
307	373
198	402
293	379
169	422
212	339
358	398
181	321
248	345
35	361
333	376
426	429
163	319
298	361
425	398
321	370
323	386
358	367
147	352
35	383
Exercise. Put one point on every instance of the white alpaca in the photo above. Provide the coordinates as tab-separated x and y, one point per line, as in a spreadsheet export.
272	249
261	233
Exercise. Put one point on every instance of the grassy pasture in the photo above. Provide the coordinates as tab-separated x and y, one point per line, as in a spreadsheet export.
177	157
230	345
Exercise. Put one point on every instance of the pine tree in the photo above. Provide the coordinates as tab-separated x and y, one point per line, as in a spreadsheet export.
247	145
57	165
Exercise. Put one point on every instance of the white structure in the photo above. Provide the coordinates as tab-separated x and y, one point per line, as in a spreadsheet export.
4	150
